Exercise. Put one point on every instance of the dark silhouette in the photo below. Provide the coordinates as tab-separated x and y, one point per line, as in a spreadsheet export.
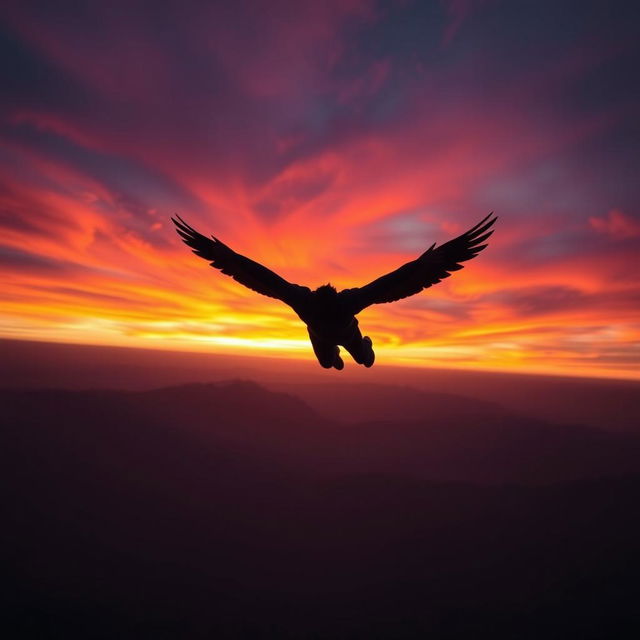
330	315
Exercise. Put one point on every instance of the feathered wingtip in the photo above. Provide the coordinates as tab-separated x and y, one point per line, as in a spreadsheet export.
484	225
180	223
474	236
481	232
187	231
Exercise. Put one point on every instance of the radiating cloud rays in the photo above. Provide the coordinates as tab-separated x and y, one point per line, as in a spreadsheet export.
329	141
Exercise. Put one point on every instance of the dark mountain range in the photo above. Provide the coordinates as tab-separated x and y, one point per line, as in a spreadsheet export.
354	394
435	436
213	511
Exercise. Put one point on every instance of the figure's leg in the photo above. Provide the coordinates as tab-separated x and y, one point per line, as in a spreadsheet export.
369	353
361	349
328	354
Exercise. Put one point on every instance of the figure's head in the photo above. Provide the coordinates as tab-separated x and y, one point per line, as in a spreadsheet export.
326	292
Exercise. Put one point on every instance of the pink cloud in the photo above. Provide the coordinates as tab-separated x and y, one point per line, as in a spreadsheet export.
616	224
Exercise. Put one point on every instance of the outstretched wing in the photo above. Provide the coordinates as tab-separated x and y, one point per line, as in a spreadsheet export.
430	268
245	271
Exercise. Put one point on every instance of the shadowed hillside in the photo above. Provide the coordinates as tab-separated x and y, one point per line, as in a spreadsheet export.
435	436
230	511
354	393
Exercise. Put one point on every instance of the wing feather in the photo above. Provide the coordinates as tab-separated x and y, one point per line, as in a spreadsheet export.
435	264
247	272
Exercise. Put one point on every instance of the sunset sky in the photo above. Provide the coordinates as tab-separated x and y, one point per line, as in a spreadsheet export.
331	141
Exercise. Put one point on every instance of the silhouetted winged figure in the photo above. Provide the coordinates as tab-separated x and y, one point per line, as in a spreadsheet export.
330	315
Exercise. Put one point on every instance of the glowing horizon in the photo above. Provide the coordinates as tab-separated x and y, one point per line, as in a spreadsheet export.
331	143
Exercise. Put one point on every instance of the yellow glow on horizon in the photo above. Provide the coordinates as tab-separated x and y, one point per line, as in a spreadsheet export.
512	355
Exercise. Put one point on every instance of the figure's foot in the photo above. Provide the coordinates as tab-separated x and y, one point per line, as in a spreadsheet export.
337	361
369	355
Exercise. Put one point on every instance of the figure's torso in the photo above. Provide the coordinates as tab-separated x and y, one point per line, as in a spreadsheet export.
327	319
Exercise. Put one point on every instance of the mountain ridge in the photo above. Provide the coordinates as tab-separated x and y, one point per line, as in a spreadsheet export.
494	446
